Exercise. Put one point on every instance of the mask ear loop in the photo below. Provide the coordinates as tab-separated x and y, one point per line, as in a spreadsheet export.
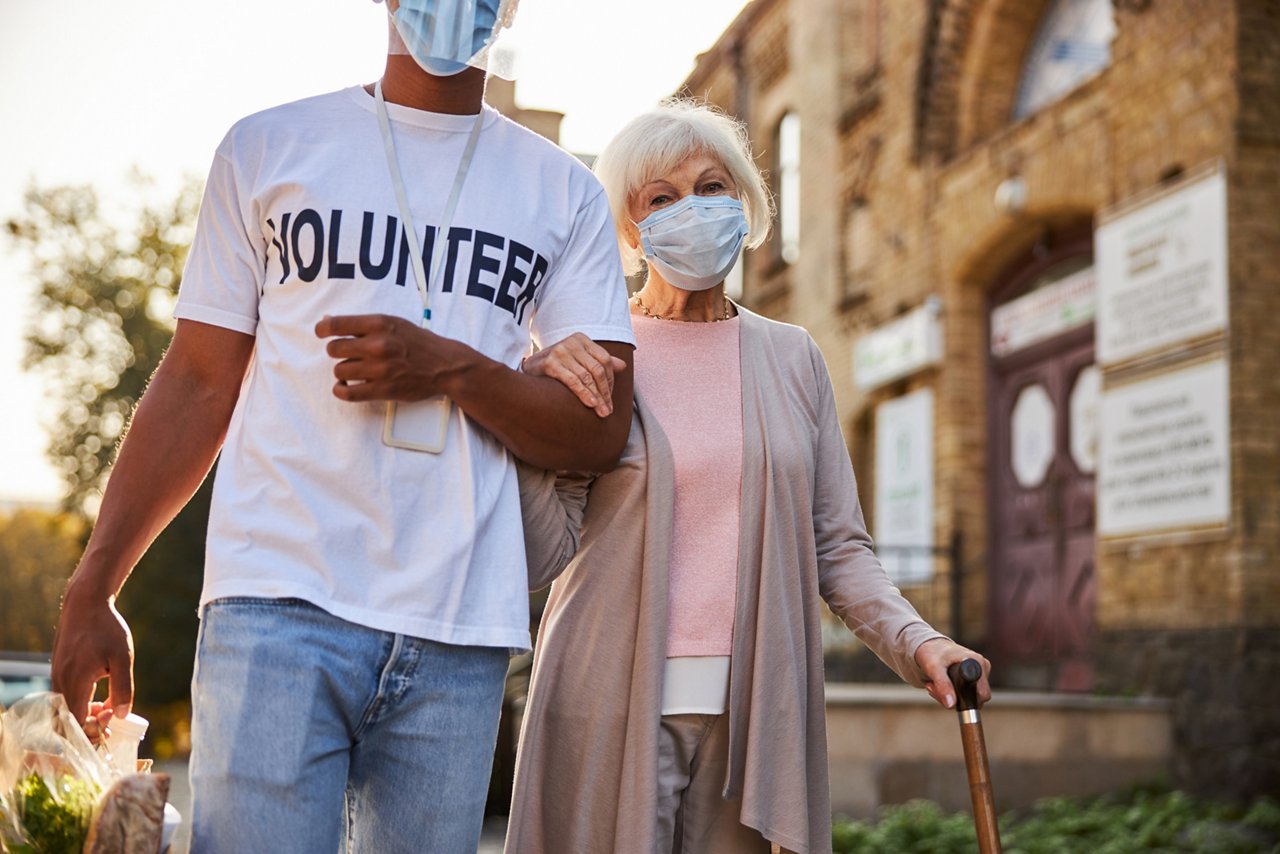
485	59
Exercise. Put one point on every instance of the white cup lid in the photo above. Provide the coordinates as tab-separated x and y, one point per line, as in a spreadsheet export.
133	727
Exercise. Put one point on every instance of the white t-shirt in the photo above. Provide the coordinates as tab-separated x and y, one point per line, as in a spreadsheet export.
299	220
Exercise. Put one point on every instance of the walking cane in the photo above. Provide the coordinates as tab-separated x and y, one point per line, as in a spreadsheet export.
965	676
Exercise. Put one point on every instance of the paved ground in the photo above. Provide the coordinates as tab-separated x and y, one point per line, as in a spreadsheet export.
495	830
180	797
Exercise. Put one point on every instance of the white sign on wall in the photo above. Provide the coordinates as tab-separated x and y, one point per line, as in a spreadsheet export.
898	349
1164	453
1162	271
1043	313
904	487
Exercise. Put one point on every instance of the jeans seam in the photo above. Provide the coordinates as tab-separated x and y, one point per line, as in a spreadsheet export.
260	602
351	816
379	695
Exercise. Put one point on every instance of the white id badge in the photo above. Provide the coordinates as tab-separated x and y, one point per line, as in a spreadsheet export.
418	426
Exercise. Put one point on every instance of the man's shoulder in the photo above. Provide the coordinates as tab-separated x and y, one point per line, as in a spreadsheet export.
533	147
297	116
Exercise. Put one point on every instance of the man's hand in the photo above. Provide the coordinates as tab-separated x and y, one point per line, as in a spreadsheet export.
933	657
537	418
93	641
381	357
583	366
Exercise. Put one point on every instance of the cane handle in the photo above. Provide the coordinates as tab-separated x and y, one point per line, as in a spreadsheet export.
964	677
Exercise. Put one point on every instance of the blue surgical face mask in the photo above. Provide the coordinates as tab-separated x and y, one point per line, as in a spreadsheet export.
694	243
443	36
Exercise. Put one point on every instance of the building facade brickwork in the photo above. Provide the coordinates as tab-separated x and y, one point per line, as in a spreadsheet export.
932	180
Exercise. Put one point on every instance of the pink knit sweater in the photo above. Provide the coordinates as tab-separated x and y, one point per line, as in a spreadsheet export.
690	377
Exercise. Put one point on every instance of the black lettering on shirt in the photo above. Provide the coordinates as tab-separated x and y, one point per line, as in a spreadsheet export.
427	244
501	271
284	245
481	263
337	269
371	271
307	272
530	291
456	236
513	275
275	241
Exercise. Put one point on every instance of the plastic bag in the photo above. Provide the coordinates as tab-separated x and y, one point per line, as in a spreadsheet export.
60	795
51	777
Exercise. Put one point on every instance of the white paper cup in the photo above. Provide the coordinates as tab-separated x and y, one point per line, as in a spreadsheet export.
122	743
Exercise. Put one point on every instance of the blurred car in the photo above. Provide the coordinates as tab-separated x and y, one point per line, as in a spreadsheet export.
22	673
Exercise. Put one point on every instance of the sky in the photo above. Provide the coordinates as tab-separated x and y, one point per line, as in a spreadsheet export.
90	90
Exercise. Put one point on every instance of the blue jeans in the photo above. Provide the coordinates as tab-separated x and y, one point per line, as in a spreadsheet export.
313	734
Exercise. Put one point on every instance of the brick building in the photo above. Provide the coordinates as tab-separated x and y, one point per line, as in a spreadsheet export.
1037	241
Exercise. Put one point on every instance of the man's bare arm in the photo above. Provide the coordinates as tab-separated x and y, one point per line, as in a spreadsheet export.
537	418
174	437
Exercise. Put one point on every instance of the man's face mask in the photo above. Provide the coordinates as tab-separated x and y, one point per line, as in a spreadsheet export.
445	36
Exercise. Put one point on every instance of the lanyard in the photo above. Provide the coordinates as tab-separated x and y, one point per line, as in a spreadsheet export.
406	217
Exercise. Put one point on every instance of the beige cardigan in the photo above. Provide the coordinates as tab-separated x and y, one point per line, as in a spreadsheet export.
586	773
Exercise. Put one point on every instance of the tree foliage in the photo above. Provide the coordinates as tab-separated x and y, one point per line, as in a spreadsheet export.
103	317
102	321
38	550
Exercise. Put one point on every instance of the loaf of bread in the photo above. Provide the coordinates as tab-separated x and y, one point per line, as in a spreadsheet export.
129	817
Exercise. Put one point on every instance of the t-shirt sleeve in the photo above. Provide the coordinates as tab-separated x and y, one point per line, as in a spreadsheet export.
585	291
225	268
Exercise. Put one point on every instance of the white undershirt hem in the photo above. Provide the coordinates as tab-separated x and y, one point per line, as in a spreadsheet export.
696	685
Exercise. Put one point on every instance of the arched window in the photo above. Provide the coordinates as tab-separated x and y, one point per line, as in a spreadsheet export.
1072	44
733	280
788	187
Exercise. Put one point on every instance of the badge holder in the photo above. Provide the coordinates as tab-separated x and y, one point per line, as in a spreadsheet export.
421	425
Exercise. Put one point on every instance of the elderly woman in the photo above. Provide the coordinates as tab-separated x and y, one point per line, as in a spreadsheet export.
676	701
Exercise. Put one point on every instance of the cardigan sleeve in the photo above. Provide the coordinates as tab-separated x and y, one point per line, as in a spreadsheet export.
850	577
552	507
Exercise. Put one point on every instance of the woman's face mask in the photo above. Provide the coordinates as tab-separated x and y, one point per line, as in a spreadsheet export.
694	242
443	36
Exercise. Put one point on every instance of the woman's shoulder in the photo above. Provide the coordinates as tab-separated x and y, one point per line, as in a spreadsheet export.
787	340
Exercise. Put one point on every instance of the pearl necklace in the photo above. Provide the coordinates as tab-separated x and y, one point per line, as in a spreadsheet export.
644	309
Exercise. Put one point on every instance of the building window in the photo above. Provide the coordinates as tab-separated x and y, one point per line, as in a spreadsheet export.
1072	44
788	188
860	38
733	281
859	249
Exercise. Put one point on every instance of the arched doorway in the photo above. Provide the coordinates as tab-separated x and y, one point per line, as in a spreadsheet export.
1043	390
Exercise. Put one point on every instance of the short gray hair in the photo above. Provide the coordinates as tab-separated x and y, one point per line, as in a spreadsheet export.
655	142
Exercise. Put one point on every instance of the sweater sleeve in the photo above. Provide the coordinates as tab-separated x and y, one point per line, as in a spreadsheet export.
552	508
850	577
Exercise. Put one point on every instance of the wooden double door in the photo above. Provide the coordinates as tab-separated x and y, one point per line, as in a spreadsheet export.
1043	445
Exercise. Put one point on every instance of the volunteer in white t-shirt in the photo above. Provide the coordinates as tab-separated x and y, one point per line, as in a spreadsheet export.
368	270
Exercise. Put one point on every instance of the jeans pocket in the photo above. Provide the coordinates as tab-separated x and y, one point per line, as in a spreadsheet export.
258	602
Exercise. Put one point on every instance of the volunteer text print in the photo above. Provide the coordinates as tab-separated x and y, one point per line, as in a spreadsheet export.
309	246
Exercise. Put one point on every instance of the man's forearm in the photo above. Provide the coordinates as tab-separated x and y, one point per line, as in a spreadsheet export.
172	442
538	419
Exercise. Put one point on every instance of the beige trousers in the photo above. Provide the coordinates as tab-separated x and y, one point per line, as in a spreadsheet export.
693	818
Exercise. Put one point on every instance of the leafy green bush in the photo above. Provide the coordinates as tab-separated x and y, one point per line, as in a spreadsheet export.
1148	818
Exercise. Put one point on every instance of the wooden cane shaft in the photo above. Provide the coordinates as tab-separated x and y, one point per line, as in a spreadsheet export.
984	805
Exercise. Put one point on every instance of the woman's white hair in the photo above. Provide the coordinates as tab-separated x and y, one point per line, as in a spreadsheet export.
655	142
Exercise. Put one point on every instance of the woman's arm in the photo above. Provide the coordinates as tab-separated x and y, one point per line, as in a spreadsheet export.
850	577
553	508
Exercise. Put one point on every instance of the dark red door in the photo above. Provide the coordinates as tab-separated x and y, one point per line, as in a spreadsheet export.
1043	584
